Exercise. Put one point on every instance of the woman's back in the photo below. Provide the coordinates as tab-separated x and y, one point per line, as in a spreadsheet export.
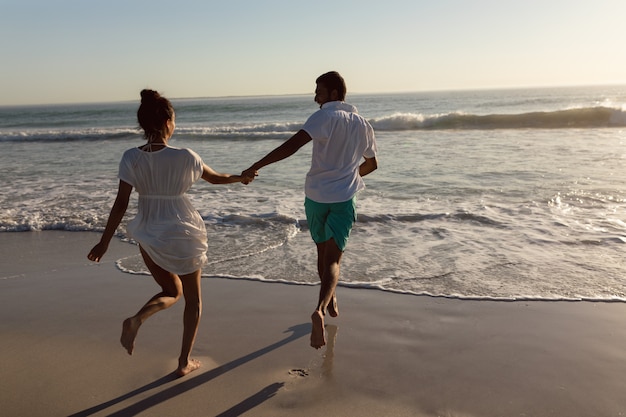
165	172
167	226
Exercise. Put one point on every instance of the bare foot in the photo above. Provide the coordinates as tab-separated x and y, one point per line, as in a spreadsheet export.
129	332
191	366
317	330
333	309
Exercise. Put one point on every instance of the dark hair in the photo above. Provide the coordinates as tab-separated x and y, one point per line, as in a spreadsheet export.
333	81
153	114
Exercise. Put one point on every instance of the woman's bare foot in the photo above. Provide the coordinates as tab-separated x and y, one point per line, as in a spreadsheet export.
129	332
333	309
191	366
317	330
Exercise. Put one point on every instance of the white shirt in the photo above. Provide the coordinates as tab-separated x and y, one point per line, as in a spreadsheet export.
167	226
341	138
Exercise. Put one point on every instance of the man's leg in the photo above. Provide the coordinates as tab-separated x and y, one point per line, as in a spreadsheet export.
329	258
333	309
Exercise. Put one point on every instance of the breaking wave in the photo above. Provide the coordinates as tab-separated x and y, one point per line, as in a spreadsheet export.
589	117
578	118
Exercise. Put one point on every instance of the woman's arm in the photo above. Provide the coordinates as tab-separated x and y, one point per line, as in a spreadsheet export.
115	218
214	177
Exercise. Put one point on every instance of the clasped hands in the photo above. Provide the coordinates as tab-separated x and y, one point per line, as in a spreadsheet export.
248	175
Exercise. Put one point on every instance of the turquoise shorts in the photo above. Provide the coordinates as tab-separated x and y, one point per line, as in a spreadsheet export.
331	220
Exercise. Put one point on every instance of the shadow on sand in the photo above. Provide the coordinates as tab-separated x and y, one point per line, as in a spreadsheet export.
297	332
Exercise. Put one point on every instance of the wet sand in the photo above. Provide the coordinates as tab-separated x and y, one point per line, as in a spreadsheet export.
388	354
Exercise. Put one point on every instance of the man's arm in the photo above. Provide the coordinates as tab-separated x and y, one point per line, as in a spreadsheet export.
368	166
288	148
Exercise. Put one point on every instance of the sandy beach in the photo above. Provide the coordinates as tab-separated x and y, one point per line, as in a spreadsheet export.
388	354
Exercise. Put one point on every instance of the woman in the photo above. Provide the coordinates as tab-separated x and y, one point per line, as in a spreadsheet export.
170	232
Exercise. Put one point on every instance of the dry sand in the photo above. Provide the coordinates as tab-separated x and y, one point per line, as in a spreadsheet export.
388	354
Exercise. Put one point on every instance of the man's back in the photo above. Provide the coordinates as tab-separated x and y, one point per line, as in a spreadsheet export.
341	138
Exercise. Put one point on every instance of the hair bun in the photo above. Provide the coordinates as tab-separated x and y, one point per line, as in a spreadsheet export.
149	96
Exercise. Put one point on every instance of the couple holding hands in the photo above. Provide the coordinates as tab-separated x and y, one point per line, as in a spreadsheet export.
172	236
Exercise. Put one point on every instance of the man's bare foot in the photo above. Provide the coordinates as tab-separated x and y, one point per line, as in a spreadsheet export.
333	309
129	332
317	330
191	366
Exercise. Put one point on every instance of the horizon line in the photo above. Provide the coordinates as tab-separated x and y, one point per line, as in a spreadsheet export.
246	96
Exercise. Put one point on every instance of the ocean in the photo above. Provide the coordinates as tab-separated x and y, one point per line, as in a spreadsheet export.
503	194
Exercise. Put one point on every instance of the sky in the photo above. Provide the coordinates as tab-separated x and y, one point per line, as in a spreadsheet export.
79	51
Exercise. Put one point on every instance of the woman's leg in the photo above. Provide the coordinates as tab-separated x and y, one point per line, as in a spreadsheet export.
192	292
171	290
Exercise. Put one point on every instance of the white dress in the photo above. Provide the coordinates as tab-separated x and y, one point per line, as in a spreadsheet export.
167	226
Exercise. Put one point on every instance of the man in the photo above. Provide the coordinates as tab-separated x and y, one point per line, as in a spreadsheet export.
344	151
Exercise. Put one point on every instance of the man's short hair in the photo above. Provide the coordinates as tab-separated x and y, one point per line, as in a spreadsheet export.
333	81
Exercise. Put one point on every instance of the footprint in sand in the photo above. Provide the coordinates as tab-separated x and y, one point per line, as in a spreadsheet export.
299	372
